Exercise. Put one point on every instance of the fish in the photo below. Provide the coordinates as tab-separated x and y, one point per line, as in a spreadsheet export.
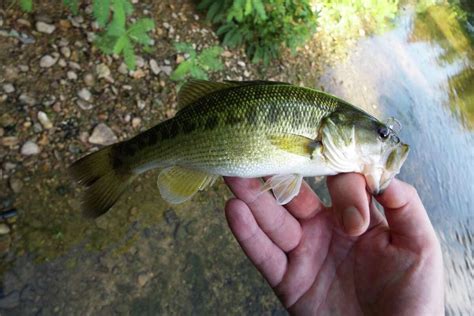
245	129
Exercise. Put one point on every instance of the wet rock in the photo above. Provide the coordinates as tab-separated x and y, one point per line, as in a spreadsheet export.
29	148
102	135
46	28
84	94
44	120
47	61
8	88
4	229
16	185
10	301
71	75
27	99
102	71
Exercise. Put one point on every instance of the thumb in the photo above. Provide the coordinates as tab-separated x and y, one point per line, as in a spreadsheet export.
406	215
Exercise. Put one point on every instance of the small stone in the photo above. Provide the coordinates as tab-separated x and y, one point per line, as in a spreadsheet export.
154	67
66	51
4	229
166	69
24	68
140	62
143	278
141	104
138	74
26	99
71	75
241	64
85	94
47	61
102	135
45	27
8	88
102	71
123	69
10	141
62	63
29	148
74	65
16	185
84	105
44	120
89	79
136	122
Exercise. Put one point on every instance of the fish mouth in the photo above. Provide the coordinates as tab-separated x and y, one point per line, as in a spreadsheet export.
379	178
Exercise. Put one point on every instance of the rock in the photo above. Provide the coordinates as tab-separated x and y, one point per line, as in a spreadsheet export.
10	301
47	61
24	68
136	122
16	185
143	278
140	62
71	75
29	148
4	229
102	135
123	69
141	104
84	105
45	27
8	88
66	51
154	67
10	141
84	94
27	99
166	69
6	120
89	79
44	120
102	71
138	74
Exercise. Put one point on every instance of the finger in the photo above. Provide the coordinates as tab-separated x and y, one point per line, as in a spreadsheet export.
306	204
282	228
350	202
406	215
376	216
269	259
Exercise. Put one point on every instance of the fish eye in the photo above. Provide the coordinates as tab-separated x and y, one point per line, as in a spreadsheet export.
384	132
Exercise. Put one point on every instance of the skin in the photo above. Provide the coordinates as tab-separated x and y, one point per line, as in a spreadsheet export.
347	259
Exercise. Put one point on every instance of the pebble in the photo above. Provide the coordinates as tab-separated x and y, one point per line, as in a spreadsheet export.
66	51
24	68
84	105
102	71
84	94
10	141
4	229
89	80
27	99
47	61
123	69
44	120
102	135
141	104
166	69
154	67
136	122
71	75
45	27
138	74
8	88
143	278
29	148
16	185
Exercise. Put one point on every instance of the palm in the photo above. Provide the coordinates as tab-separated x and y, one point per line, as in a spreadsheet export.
316	268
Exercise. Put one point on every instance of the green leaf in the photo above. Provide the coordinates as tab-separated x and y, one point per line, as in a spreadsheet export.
101	10
181	71
73	5
210	58
185	48
198	73
119	17
260	8
129	55
138	31
26	5
120	44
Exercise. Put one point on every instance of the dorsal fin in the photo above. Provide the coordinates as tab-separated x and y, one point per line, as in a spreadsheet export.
195	89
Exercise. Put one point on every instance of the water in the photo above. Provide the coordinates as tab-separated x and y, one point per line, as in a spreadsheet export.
422	73
146	257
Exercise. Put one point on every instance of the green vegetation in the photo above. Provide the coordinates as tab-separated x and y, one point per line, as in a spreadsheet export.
198	65
119	36
263	27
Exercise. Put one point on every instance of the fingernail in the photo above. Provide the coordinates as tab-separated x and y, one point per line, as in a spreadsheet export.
352	220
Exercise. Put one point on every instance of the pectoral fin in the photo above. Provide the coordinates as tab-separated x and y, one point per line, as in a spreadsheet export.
284	187
178	184
295	144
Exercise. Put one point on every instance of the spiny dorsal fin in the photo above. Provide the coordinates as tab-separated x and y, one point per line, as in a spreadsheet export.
295	144
195	89
178	184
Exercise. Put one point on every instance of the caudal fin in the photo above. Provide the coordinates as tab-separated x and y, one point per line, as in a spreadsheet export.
104	180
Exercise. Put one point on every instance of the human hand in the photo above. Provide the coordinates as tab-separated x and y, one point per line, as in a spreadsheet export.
347	259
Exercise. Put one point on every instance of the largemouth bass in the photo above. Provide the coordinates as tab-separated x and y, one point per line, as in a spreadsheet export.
245	129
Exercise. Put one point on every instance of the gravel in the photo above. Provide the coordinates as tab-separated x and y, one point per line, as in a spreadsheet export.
45	27
102	135
85	94
44	120
30	148
8	88
47	61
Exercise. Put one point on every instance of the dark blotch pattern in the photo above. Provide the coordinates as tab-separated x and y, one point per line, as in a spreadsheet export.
211	122
273	115
232	119
189	127
174	129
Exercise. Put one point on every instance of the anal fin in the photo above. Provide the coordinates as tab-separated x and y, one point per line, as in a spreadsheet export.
178	184
285	187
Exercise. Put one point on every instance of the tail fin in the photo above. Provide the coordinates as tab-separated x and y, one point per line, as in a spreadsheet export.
104	179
